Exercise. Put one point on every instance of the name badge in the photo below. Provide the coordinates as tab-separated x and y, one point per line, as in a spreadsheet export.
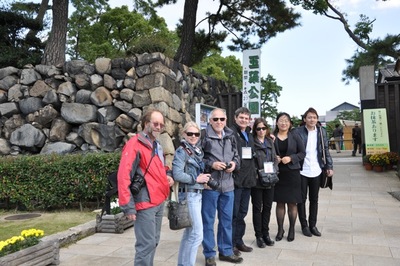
246	153
269	167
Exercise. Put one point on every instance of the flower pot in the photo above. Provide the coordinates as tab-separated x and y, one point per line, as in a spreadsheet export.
41	254
112	223
378	168
368	166
389	166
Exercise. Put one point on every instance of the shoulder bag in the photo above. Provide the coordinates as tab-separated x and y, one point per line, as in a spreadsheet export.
178	213
326	181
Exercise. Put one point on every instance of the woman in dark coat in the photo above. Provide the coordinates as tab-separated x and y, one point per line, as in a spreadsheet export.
261	196
290	152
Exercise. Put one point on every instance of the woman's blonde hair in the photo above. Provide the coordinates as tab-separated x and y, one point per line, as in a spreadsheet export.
189	124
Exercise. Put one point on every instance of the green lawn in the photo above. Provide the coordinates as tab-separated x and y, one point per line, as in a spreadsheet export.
49	222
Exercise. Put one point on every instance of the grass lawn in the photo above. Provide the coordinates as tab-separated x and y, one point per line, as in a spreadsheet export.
49	222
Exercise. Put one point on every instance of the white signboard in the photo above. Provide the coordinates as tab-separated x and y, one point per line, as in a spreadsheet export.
252	82
202	114
376	131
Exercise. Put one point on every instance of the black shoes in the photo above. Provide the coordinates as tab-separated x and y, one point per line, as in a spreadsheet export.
244	248
314	231
268	241
306	231
260	242
290	236
232	258
279	236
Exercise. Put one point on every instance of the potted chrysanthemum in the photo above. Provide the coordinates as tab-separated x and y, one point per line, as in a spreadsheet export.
378	161
393	159
115	222
28	249
367	164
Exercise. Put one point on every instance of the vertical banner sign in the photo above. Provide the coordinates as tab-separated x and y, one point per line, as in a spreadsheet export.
376	131
252	82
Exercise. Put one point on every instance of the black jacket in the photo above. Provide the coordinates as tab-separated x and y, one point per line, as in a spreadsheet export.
246	176
303	133
296	150
264	154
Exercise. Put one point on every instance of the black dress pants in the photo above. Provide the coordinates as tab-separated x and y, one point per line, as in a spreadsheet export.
310	185
261	199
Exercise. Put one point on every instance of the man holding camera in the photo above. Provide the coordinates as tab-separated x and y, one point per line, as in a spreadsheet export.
244	179
221	159
144	185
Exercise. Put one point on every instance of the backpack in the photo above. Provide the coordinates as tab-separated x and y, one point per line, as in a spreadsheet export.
111	190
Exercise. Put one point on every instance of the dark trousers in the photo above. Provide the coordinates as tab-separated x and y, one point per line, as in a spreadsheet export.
312	186
240	209
261	199
356	146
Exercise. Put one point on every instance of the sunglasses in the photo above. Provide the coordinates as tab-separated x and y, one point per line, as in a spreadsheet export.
261	128
222	119
190	134
156	124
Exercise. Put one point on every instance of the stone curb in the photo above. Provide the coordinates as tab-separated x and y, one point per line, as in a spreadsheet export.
73	234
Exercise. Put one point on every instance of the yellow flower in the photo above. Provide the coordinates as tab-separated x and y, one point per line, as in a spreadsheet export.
26	239
379	159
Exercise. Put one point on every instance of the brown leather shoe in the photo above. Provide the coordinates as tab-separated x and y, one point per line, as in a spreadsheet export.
210	261
244	248
236	251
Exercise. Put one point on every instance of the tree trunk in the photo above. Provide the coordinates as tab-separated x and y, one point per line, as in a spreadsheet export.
183	55
54	53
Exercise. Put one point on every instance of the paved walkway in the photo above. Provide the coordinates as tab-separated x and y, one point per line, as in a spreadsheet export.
359	221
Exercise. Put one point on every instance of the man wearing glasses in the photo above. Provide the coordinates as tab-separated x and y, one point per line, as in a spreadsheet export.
221	158
244	179
142	200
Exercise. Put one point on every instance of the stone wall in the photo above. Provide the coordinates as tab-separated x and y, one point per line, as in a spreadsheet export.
96	107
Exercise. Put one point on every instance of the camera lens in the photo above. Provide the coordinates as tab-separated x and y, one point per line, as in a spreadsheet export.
213	184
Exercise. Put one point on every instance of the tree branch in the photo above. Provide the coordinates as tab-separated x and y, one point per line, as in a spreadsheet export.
346	26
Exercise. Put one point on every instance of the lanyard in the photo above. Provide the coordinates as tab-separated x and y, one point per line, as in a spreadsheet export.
244	133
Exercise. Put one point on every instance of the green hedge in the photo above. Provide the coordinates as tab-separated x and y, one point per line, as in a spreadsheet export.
55	181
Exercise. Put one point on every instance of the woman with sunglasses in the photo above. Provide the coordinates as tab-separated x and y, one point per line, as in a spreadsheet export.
187	168
261	196
291	152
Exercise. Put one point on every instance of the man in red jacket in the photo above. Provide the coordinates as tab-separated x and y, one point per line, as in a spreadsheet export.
142	199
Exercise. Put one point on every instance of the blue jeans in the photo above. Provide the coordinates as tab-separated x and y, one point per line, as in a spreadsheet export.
240	209
223	203
192	236
147	231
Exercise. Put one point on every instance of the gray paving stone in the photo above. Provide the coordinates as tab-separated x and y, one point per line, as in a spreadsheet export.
359	221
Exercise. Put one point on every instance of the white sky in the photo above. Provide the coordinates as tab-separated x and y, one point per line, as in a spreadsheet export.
308	60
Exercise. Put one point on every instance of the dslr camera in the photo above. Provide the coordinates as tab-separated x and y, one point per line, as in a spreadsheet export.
228	165
213	184
137	183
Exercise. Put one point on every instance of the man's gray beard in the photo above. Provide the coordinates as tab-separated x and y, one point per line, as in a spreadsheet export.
155	134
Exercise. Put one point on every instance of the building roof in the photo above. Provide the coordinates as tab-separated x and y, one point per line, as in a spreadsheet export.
389	73
345	106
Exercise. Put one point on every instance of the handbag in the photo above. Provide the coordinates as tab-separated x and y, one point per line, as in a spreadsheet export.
267	179
178	213
326	181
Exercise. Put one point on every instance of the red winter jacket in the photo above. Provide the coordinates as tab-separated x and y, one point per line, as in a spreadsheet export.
157	188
